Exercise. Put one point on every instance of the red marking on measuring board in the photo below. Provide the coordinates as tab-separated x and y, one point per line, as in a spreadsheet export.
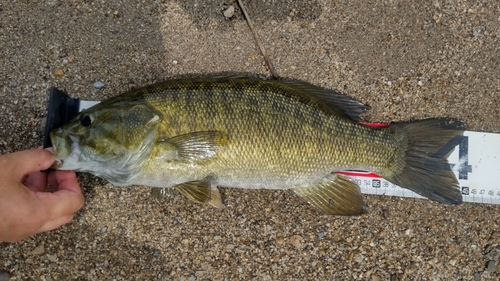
359	174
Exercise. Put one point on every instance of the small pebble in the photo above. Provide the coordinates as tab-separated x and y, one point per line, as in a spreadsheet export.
376	277
296	240
58	73
477	275
13	83
192	277
39	250
321	235
4	275
490	266
280	240
229	247
98	85
52	257
358	258
229	12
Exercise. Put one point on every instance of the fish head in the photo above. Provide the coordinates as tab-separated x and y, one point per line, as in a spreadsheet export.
109	141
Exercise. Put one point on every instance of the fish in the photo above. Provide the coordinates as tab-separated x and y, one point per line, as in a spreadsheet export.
194	135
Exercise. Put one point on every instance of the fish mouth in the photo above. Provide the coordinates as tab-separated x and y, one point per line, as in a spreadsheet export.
58	163
63	146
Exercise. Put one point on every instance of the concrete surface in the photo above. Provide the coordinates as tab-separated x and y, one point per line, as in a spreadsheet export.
406	59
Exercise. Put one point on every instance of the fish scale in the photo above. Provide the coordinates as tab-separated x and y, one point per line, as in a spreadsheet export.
194	134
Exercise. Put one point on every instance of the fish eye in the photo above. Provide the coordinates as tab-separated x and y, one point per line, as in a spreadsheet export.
85	120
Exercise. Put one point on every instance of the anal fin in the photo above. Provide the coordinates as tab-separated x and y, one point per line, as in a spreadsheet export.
197	191
201	192
335	195
216	199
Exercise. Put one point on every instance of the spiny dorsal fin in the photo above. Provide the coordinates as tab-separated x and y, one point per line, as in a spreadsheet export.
338	103
327	100
198	145
335	195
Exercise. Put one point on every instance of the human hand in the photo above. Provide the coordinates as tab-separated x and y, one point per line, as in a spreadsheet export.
25	208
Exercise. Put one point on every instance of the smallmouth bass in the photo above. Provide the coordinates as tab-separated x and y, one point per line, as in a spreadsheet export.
192	135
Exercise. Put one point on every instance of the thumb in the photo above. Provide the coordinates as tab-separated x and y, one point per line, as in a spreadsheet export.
28	161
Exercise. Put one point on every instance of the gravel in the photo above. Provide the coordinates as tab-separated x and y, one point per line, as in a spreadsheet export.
229	12
98	85
406	60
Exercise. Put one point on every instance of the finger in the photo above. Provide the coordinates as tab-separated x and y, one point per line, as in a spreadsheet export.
53	224
62	202
36	182
29	161
65	180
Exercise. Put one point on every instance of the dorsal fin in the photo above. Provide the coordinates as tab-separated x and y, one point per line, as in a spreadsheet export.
328	101
331	100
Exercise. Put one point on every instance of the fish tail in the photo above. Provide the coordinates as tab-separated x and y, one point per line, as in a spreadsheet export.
424	168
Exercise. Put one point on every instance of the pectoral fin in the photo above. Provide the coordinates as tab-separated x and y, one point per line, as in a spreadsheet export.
201	192
336	195
198	145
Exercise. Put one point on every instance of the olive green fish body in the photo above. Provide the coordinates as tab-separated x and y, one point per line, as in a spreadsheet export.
194	134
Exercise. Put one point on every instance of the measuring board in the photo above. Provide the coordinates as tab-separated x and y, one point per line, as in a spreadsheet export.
475	161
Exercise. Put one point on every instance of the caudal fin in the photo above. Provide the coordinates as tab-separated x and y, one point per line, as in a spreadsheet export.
426	170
